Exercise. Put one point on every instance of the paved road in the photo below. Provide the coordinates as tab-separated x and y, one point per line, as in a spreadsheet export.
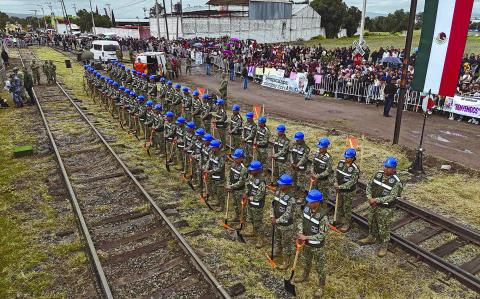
447	139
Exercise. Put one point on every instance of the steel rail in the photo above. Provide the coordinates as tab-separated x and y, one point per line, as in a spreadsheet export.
184	244
102	280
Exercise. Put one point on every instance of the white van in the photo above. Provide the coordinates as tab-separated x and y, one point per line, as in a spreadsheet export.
155	62
104	50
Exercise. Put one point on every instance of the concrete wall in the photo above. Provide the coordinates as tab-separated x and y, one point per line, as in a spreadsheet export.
305	24
121	32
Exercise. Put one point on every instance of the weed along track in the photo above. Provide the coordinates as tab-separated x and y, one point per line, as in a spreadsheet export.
134	249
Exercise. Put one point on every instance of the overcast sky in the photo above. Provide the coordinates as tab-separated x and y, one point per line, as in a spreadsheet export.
134	8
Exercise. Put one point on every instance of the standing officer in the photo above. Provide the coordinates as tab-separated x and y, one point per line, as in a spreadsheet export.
221	120
236	183
158	129
53	71
235	127
206	114
347	175
169	135
177	99
261	141
254	193
152	88
383	192
321	168
186	104
216	174
248	135
312	229
196	148
36	72
188	150
282	215
162	92
280	149
46	71
180	140
298	163
169	95
196	108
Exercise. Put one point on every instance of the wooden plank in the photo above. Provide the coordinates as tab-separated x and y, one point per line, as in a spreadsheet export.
403	221
449	247
424	234
472	266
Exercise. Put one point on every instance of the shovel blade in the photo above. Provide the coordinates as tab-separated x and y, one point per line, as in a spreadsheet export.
289	287
240	236
191	185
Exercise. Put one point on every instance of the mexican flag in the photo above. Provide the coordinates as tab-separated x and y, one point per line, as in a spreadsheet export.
442	42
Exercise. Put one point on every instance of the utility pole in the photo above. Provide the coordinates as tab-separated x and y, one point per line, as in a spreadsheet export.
109	10
66	15
403	81
43	14
53	16
157	19
93	19
166	19
74	8
38	21
362	23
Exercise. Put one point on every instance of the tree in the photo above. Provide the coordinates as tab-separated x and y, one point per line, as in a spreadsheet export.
153	12
393	22
333	13
352	20
113	19
84	20
3	20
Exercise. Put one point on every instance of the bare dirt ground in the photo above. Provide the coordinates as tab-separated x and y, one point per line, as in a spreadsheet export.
445	139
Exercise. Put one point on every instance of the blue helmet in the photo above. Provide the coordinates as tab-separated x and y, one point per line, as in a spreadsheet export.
116	84
127	90
169	114
281	128
122	88
262	120
98	75
236	107
314	195
238	153
220	102
141	98
134	71
162	79
158	107
207	137
215	143
390	162
152	77
299	136
285	179
133	94
249	114
128	70
85	66
178	85
123	67
200	132
205	96
180	120
350	153
102	78
185	89
144	75
149	103
195	93
255	165
191	125
169	83
323	142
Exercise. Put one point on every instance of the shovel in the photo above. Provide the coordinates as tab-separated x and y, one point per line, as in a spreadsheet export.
150	141
205	198
190	179
335	212
167	158
120	117
270	258
225	220
242	222
289	287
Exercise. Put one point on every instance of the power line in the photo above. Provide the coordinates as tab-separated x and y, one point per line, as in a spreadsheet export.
130	4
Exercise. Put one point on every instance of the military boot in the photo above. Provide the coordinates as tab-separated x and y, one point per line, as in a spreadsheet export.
367	240
382	250
259	243
319	291
345	228
304	277
285	264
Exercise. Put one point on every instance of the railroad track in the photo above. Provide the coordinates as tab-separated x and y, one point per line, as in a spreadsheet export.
432	226
135	251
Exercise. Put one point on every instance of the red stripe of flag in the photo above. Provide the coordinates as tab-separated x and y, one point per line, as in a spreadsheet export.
456	46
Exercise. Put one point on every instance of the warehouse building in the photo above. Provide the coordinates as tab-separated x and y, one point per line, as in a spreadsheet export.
264	21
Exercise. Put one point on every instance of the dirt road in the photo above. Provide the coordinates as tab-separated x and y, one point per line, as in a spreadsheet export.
450	140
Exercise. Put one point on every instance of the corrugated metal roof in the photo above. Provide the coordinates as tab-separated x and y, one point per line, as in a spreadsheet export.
298	7
228	2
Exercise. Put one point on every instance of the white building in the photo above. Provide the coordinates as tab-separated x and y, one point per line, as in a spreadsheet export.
304	24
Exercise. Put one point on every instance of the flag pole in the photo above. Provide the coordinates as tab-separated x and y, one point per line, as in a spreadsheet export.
417	165
403	81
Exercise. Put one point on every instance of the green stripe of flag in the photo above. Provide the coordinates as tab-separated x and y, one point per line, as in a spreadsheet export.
425	46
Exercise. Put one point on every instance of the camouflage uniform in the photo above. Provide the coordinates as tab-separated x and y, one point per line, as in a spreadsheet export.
169	133
162	93
221	124
313	225
255	191
53	71
206	115
281	147
158	129
35	72
216	178
152	90
299	158
169	95
261	145
180	139
385	190
177	102
187	106
321	170
248	135
235	130
196	148
283	210
238	176
196	111
346	178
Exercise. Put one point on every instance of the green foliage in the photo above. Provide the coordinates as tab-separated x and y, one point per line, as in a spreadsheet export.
351	20
84	20
3	20
393	22
333	13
